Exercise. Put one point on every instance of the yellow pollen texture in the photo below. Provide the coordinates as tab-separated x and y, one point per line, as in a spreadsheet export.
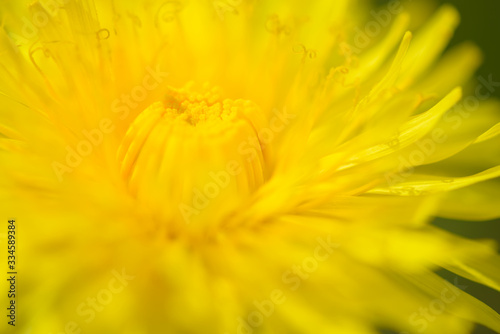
198	108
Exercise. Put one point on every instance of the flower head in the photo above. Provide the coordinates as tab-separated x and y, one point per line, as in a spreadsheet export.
244	167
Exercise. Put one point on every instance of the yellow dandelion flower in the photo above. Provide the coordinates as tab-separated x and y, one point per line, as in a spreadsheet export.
240	166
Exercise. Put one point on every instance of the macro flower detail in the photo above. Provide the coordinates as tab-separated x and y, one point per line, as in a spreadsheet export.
164	136
245	167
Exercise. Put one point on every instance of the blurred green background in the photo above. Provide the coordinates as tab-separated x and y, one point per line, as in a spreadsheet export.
480	23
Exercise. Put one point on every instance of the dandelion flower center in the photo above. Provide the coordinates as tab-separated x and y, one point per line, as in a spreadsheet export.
215	141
